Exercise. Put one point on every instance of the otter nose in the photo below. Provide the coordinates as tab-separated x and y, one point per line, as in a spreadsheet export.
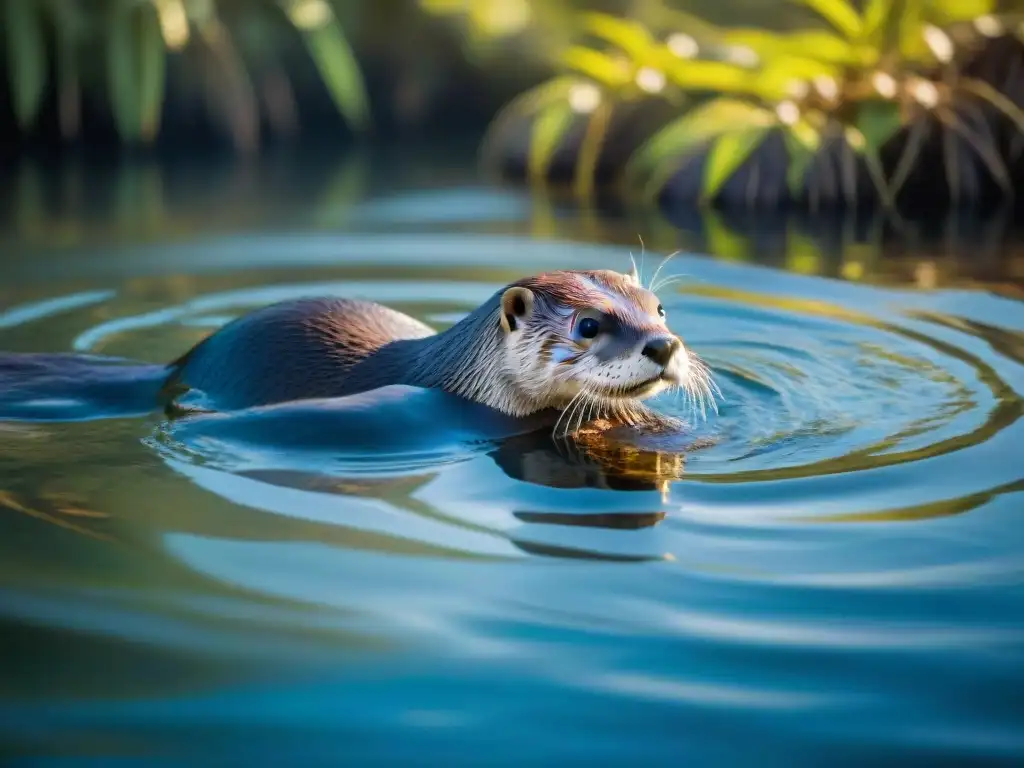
660	350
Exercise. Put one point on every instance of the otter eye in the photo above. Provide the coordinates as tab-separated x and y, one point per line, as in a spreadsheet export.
661	311
589	327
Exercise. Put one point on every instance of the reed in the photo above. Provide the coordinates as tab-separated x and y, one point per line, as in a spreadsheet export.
834	115
122	50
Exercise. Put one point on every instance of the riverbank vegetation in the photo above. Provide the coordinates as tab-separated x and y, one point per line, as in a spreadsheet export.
799	103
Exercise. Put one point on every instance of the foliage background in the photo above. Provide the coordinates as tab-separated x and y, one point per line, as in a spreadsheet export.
158	84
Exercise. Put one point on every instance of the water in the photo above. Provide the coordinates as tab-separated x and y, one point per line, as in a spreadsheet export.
829	570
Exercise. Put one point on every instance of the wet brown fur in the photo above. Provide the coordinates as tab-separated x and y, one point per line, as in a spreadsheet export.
333	347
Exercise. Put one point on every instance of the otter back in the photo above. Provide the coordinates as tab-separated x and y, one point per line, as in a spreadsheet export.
293	350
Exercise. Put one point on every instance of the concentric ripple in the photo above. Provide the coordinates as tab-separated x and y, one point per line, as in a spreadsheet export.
831	565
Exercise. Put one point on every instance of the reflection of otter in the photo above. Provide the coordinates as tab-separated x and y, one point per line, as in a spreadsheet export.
586	461
589	344
537	458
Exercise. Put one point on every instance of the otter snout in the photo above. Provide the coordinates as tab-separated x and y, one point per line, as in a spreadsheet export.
661	350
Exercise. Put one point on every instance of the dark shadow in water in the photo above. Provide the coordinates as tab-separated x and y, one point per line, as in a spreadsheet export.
141	670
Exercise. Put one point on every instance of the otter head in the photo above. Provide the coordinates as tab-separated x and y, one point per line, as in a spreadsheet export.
597	336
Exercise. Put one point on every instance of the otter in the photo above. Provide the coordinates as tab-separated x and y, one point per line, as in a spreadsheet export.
580	343
575	346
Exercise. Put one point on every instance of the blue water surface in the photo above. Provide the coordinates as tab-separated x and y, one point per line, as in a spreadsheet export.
828	570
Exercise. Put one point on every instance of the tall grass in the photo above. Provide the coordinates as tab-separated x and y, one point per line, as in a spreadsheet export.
122	51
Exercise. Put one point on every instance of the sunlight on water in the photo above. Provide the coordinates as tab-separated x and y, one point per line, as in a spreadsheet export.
832	564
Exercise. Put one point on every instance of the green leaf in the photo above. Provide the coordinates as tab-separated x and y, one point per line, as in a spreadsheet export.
590	150
666	20
64	19
670	147
529	102
803	141
800	158
26	58
135	70
912	43
340	71
600	67
839	13
877	15
541	96
549	128
443	7
712	76
229	89
878	121
944	12
152	70
628	36
775	81
857	141
817	45
727	154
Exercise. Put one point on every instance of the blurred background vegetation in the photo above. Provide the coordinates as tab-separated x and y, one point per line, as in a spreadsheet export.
730	118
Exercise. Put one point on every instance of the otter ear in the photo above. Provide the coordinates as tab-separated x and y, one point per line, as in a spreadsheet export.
516	305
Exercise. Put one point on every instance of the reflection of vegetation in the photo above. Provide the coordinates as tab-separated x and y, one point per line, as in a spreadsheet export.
153	201
57	508
1006	343
945	508
840	106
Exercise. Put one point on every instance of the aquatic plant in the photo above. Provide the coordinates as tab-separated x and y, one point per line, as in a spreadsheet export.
121	49
850	108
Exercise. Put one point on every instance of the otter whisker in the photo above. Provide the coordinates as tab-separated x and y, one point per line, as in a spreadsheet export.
654	277
565	413
672	279
643	253
586	412
575	406
578	415
702	388
595	403
699	390
708	379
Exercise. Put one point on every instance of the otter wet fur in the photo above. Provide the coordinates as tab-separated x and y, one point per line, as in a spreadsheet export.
585	346
589	344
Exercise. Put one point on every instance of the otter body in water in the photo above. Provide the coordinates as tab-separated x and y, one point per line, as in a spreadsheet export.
585	345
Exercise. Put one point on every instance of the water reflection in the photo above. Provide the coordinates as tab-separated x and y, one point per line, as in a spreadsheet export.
839	540
611	461
82	202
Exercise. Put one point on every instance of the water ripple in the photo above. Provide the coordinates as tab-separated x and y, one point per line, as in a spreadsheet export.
842	538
